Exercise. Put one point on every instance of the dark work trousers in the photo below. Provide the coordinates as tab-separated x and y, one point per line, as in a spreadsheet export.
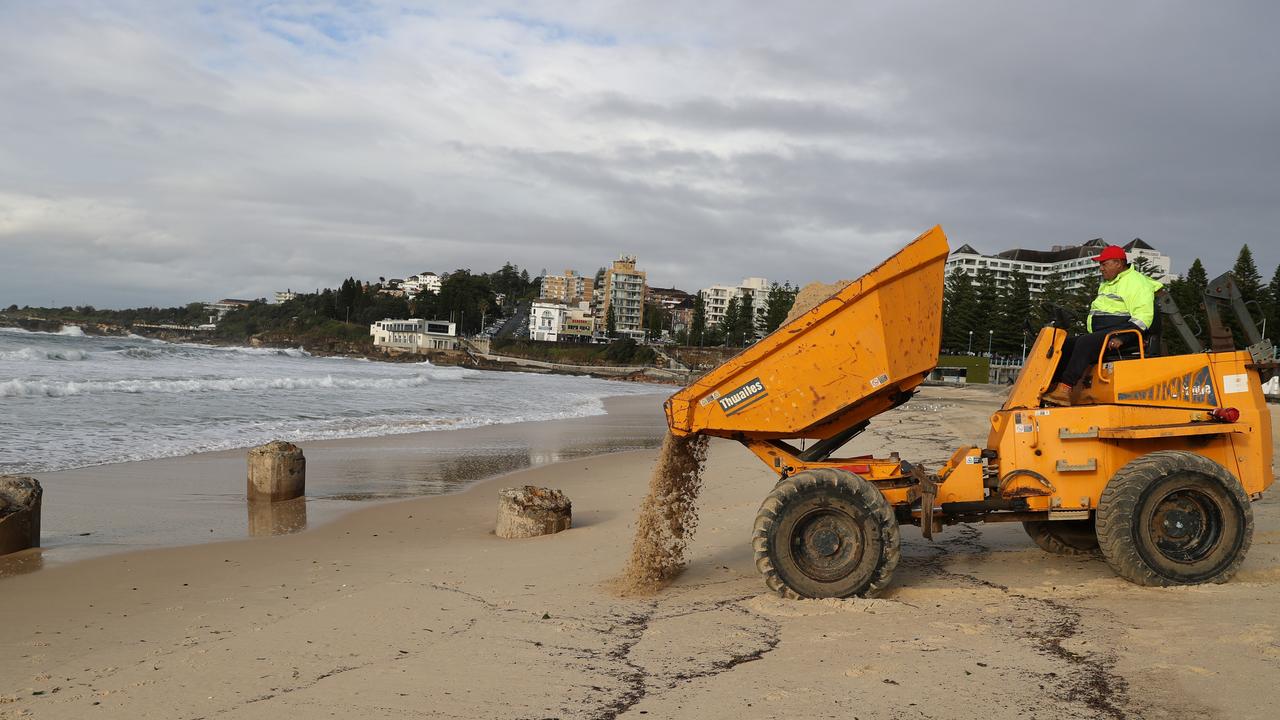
1081	351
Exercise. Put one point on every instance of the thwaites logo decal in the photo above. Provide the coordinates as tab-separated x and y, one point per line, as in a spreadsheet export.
1194	387
739	398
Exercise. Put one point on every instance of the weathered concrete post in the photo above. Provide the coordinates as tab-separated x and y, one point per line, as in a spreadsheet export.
19	513
530	511
277	471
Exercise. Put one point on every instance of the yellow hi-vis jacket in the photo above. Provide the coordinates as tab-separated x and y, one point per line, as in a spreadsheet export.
1128	296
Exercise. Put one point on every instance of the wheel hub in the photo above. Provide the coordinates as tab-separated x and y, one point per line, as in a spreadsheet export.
827	544
1186	525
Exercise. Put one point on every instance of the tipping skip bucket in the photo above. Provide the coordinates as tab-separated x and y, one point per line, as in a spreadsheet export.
837	364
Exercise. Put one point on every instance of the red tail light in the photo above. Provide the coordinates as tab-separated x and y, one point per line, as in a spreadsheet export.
1229	415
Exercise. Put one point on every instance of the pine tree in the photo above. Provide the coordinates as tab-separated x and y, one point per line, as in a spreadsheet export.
958	310
987	309
610	323
731	324
1273	310
1247	277
1197	278
698	324
1053	294
1015	313
781	299
746	329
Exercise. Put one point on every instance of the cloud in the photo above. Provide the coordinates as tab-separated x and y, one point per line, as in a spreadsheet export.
157	154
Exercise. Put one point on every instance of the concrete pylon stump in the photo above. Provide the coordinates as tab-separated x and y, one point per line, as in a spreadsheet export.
277	471
530	511
19	513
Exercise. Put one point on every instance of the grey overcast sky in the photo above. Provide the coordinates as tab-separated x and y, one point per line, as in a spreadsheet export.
159	152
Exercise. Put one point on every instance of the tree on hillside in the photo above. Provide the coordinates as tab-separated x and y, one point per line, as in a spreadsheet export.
464	298
779	302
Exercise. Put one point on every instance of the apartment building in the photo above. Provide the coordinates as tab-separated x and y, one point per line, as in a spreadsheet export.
624	293
715	299
1073	264
569	288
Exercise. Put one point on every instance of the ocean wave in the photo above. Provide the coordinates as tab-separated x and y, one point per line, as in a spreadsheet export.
66	331
293	430
35	353
55	388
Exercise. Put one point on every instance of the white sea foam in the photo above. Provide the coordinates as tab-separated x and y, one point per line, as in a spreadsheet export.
36	353
71	331
46	388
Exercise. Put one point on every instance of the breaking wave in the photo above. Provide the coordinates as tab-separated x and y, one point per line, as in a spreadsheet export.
33	353
55	388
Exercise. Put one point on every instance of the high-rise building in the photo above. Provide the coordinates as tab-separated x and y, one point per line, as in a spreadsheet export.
1073	264
568	288
624	294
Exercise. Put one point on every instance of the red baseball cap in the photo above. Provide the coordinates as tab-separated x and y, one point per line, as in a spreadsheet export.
1111	252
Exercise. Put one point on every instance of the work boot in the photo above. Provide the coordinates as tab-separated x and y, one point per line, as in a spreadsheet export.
1060	396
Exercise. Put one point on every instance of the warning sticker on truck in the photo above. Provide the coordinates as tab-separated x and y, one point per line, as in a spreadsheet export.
739	398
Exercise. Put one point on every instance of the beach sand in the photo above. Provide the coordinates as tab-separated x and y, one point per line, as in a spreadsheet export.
415	609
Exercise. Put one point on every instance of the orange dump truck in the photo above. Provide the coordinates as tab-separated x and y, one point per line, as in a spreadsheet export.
1155	465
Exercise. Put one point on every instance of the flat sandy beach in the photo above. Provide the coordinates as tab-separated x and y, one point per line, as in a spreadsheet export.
416	609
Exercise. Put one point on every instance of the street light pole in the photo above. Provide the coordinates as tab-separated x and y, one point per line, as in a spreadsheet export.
990	334
970	350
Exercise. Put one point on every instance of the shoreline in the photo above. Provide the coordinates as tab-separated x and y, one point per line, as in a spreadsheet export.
416	609
199	498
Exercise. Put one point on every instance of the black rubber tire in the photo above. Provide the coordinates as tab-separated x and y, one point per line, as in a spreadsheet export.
1063	537
1174	518
826	533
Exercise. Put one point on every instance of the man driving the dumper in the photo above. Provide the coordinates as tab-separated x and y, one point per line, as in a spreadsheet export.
1126	300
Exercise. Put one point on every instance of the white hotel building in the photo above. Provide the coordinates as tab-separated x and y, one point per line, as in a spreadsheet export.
1073	263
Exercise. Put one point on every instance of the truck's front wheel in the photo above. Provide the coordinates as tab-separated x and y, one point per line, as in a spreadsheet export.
826	533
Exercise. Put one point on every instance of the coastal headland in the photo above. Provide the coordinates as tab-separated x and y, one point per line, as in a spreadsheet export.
416	609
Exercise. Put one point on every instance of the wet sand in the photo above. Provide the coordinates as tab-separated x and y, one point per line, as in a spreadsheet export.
415	609
201	498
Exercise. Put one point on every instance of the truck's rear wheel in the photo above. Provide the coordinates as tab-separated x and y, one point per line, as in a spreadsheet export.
826	533
1174	518
1063	537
